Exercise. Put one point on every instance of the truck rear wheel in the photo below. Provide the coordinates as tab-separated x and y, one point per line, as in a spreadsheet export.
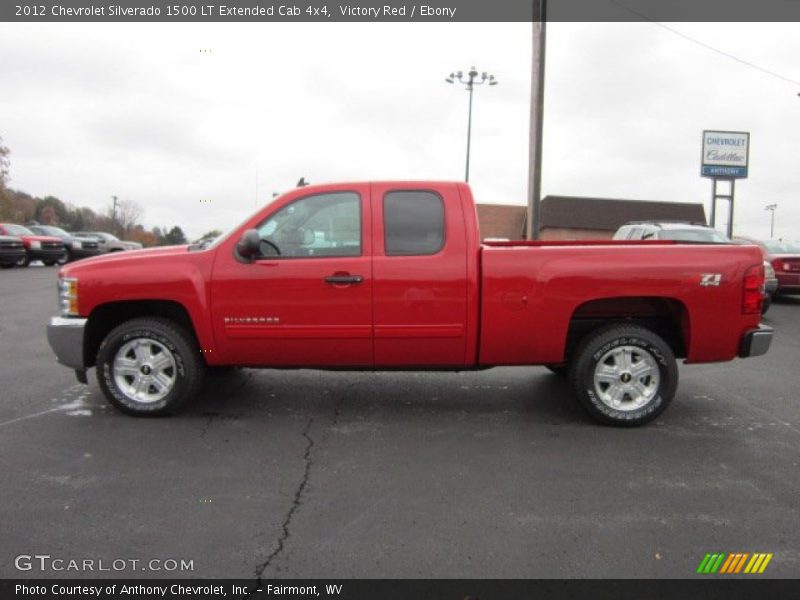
624	375
149	367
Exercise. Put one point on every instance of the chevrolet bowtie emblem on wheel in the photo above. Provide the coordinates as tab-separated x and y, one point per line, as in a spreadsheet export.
710	279
734	563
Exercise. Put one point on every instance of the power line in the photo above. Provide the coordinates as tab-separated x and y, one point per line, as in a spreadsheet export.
689	38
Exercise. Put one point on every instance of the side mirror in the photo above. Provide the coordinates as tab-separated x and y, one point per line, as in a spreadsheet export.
249	244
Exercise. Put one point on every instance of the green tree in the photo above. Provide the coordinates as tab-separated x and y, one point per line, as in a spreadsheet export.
174	237
210	235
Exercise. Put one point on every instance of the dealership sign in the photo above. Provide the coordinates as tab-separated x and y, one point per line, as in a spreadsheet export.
725	153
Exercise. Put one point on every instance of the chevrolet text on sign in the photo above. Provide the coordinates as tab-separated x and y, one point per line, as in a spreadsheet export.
725	153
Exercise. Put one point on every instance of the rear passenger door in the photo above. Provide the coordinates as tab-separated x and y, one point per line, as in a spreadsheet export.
420	275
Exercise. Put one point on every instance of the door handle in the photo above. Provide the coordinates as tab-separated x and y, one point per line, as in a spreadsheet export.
343	279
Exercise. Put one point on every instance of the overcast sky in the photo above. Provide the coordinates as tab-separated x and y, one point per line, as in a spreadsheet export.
138	111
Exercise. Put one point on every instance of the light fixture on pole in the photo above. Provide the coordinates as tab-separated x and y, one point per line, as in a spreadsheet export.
771	208
469	80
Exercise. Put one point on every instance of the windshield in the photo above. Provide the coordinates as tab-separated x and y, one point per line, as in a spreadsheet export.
17	229
781	247
694	235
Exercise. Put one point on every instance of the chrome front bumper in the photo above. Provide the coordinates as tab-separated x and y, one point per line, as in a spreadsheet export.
66	339
756	342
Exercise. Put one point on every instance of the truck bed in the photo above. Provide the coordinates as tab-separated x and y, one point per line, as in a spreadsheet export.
534	294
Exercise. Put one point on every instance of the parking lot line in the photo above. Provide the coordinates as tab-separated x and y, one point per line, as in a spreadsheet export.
39	414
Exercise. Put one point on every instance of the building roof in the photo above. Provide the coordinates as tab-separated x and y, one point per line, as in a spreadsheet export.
574	212
502	221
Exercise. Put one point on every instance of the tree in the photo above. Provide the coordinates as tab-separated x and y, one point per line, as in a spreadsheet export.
210	235
144	237
6	204
4	165
47	216
126	216
174	237
20	207
79	218
51	211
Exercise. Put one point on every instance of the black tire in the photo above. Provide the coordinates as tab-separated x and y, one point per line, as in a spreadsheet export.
48	263
560	370
64	258
7	265
622	349
168	339
23	262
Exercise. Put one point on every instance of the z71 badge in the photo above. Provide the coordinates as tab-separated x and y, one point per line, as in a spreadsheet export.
709	279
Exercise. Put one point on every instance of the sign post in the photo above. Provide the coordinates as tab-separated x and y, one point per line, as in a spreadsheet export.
725	158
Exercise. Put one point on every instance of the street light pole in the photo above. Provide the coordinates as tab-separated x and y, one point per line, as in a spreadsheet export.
771	208
470	81
469	131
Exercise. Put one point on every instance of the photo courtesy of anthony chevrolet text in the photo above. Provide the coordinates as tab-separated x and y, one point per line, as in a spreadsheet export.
399	300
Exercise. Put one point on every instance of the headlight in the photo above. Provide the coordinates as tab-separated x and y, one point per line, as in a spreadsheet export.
68	296
76	245
36	245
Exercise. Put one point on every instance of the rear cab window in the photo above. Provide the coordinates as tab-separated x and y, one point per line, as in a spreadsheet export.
413	223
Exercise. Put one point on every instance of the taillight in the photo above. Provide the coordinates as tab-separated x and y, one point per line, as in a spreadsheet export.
753	294
791	265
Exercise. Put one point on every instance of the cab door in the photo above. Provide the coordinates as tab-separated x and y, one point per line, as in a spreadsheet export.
420	275
306	299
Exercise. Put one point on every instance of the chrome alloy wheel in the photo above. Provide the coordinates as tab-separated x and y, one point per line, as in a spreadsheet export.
626	378
144	370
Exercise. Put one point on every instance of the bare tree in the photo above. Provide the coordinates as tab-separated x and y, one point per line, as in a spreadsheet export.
127	214
4	164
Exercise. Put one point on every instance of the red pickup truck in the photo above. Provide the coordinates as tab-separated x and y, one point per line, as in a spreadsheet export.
393	275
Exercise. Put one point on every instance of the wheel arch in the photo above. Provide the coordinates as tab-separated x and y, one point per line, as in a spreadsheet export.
106	317
665	316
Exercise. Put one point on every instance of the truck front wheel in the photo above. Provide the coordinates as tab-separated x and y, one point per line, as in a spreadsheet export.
149	367
624	375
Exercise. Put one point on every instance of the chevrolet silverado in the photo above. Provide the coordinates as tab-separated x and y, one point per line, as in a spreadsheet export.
393	275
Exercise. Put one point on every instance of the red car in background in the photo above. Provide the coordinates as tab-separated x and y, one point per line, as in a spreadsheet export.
45	248
785	259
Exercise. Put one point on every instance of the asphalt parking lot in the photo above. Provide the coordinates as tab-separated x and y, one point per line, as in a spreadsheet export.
313	474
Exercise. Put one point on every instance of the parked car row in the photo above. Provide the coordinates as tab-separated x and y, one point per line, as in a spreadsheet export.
21	245
781	259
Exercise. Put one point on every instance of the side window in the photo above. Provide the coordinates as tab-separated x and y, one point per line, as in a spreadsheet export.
321	225
413	223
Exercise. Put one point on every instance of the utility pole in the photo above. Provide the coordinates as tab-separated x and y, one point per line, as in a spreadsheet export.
537	118
771	208
114	213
